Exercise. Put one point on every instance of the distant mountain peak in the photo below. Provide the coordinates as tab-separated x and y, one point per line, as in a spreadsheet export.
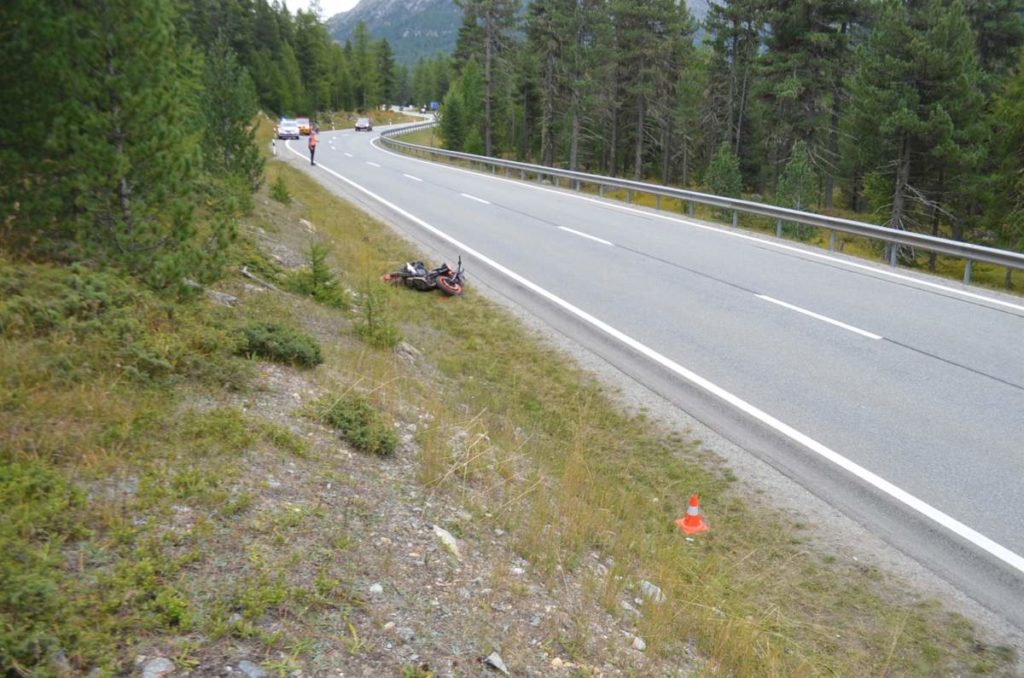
414	28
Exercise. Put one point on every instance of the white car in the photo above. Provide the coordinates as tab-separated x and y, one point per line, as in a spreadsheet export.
364	124
288	129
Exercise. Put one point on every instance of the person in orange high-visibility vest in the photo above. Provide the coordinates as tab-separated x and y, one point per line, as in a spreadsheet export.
312	144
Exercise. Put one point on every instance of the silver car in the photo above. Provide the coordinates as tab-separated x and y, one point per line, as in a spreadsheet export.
288	129
363	124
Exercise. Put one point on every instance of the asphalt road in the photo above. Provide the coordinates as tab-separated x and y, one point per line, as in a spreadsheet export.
897	397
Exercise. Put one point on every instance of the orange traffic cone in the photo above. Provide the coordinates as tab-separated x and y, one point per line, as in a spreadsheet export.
692	523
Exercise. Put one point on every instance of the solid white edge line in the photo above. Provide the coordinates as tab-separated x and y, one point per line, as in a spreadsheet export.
473	197
818	316
409	176
927	510
722	231
585	235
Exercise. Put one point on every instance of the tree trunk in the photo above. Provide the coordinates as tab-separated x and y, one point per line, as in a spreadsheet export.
638	156
899	194
742	110
488	83
686	161
666	152
547	151
574	140
935	232
833	155
731	101
613	154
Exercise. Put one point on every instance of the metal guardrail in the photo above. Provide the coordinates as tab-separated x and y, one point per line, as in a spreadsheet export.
962	250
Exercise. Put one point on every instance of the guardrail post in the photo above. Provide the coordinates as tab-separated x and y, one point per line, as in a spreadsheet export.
735	218
522	175
600	190
657	202
690	206
968	269
831	241
629	195
894	251
778	228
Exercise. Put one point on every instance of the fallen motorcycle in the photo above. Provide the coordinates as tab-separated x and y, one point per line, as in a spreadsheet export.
416	275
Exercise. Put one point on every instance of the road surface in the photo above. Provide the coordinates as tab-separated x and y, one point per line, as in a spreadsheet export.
896	397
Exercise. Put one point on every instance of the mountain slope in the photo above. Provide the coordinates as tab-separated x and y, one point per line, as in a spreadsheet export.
420	28
414	28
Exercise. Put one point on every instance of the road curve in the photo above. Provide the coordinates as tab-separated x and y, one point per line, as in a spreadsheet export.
896	397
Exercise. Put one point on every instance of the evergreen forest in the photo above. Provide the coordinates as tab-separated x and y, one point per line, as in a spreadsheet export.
128	128
902	113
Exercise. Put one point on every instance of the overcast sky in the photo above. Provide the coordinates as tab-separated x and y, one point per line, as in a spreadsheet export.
328	7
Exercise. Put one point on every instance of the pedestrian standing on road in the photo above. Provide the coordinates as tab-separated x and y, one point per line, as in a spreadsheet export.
312	145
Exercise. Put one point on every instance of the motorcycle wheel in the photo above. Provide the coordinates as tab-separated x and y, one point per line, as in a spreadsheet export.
449	286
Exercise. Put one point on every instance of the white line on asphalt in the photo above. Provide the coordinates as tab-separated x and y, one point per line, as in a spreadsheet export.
348	155
372	164
409	176
812	314
945	520
473	197
584	235
763	241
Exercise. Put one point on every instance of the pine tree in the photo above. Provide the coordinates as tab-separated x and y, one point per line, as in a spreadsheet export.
649	35
543	30
1004	213
734	30
312	49
229	106
32	83
915	113
364	68
452	122
999	27
386	75
129	137
723	175
800	75
496	20
798	186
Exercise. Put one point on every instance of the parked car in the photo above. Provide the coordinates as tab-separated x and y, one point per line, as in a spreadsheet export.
304	125
287	129
364	124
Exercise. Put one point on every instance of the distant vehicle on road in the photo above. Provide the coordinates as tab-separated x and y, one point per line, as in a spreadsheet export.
304	125
363	124
287	129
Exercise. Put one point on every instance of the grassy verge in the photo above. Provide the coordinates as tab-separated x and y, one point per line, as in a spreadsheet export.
138	464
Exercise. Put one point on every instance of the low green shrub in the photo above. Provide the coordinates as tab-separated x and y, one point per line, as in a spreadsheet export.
39	512
37	301
318	281
281	344
360	423
374	324
279	191
94	322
